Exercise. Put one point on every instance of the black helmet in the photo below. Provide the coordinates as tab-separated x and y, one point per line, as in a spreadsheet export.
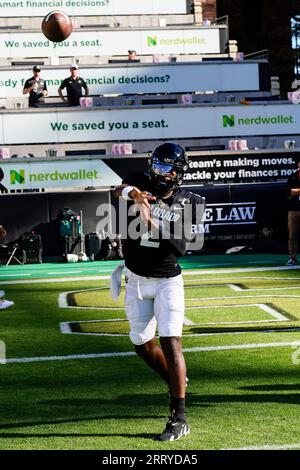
164	160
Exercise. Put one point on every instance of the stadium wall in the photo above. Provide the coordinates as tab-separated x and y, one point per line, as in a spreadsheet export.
236	215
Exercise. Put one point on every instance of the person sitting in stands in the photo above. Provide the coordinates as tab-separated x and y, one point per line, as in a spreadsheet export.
132	55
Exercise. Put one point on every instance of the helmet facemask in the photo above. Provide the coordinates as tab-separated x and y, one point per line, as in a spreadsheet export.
164	176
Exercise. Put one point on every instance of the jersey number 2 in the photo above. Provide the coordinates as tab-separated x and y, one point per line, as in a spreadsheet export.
146	240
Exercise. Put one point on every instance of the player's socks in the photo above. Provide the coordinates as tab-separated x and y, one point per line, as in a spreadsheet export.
177	409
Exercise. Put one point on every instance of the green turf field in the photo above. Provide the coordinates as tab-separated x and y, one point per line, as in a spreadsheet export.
71	380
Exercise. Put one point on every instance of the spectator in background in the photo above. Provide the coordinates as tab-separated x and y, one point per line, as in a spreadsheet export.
132	55
74	85
4	303
294	214
36	87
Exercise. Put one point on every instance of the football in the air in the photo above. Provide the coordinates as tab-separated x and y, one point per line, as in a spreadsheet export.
57	26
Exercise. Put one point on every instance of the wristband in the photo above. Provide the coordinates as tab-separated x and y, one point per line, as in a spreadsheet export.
126	191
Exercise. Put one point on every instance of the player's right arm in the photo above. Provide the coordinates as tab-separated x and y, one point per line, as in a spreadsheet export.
135	194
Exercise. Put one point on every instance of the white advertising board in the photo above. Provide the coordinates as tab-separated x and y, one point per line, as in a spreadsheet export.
112	42
11	8
84	125
58	174
154	78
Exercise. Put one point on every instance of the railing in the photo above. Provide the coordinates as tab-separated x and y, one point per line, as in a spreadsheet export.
221	20
263	54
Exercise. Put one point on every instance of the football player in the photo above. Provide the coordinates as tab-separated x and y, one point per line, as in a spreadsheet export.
154	296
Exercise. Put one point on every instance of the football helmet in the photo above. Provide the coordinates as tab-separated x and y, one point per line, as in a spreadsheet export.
166	167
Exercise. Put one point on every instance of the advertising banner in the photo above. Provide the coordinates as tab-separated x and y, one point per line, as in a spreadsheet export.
240	168
148	123
57	174
223	168
10	8
248	215
112	42
138	78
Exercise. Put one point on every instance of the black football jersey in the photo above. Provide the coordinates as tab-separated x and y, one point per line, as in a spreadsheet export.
36	95
155	254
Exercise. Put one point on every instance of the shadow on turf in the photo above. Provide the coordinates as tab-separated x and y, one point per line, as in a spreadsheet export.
16	435
143	401
26	424
271	388
66	406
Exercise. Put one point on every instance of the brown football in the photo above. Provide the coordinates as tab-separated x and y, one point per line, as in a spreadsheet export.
57	26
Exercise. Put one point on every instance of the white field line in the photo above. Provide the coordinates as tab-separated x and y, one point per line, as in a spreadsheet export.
235	287
187	321
272	288
111	335
246	289
95	308
65	272
62	298
245	322
264	307
268	447
185	273
241	297
63	302
67	330
279	316
259	278
274	313
240	270
192	335
202	286
55	280
13	275
261	261
22	360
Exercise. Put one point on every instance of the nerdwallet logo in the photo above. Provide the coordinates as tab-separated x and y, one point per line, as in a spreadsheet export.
231	121
17	176
228	121
152	41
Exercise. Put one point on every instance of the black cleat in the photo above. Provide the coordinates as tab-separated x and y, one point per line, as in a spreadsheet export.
174	430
